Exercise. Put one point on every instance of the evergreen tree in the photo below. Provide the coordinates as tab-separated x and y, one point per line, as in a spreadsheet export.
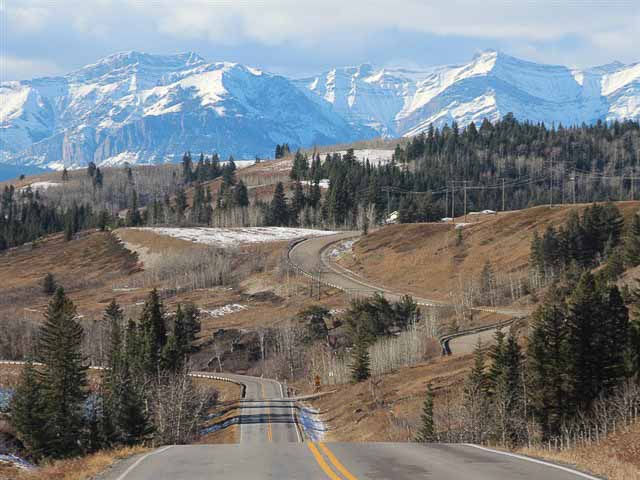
278	210
584	340
632	243
475	394
49	285
154	333
241	195
63	376
27	411
427	431
191	323
360	368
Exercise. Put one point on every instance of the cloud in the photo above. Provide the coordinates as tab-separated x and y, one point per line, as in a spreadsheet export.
25	68
75	31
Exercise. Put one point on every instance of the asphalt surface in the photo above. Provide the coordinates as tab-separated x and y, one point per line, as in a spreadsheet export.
333	461
265	414
271	444
313	256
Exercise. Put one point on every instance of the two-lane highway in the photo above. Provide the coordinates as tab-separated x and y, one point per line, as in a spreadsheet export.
265	412
336	461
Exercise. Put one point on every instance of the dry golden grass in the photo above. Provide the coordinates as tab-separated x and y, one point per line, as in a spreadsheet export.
80	468
423	259
616	458
87	267
380	410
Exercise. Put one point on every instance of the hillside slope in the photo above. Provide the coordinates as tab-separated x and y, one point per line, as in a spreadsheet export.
431	260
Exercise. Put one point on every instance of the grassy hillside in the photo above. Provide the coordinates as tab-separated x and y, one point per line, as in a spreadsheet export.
438	261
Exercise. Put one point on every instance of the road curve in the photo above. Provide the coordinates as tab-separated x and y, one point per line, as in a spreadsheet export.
266	415
311	257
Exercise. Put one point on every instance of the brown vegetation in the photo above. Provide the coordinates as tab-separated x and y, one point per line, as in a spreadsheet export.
429	260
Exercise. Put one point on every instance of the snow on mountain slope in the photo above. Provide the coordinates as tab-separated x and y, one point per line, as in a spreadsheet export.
490	86
151	108
144	108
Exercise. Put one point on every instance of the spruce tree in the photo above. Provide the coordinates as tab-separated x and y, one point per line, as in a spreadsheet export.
584	321
632	243
360	368
278	210
49	285
154	333
63	376
475	394
427	433
27	411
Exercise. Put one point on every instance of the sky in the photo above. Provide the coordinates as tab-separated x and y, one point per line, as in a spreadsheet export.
301	37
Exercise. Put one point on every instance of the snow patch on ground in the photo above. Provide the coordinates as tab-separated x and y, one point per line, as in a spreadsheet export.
41	186
314	428
14	461
341	249
324	183
225	310
228	237
375	156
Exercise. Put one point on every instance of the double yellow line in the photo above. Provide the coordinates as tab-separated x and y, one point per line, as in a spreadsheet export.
335	463
269	431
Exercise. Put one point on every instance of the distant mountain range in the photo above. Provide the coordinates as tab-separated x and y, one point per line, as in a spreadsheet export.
141	108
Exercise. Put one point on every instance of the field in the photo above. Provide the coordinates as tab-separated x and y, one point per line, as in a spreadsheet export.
431	261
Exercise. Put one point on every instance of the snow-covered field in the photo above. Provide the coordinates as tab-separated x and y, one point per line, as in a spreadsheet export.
41	186
229	237
375	156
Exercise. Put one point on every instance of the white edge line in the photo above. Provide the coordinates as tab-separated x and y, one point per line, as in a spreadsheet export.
137	462
534	460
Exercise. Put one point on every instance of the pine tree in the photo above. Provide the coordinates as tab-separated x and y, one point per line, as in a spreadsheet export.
191	323
154	333
49	285
427	433
241	195
27	411
360	369
475	394
278	210
63	376
584	320
632	243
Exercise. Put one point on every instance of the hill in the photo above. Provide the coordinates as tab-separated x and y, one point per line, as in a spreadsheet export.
442	261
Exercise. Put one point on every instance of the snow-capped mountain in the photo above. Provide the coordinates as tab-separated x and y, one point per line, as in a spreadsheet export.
399	102
146	108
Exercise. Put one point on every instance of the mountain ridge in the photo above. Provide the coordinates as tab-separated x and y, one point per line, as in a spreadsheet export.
147	108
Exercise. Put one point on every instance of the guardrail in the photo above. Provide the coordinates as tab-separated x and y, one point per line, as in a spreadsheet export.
210	376
445	339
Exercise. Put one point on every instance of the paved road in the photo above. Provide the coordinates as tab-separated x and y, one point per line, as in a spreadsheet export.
334	461
313	256
265	414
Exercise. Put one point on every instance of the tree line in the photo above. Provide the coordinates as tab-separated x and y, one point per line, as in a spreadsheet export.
143	395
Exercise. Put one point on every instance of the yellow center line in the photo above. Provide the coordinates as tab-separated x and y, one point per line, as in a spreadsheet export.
336	463
323	464
269	432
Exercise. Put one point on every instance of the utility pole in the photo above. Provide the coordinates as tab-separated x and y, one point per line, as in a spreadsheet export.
503	204
464	185
446	201
551	183
453	202
562	182
388	203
